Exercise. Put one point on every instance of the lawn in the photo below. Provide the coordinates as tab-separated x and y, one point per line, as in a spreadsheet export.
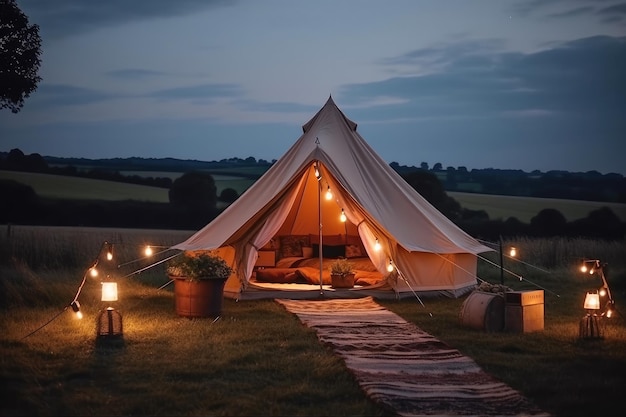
257	359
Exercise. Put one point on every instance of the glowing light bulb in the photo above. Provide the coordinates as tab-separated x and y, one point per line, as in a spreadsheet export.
377	245
148	251
76	309
329	194
583	268
390	266
513	252
602	292
93	272
343	216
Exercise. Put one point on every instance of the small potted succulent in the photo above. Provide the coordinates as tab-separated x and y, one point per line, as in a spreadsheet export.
342	273
199	279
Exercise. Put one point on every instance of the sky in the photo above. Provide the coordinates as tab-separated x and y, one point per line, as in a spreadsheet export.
505	84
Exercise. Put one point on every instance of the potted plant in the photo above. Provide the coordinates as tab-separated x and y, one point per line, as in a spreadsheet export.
342	273
199	279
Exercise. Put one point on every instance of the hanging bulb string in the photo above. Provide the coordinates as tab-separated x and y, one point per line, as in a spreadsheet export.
80	288
56	316
140	270
519	276
496	265
108	246
167	249
496	247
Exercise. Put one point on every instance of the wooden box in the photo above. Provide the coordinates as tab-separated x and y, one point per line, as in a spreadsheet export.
524	311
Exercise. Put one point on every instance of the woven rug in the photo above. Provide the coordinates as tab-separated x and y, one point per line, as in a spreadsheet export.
402	367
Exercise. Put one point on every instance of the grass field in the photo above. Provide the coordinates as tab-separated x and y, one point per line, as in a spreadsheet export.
258	359
497	207
525	208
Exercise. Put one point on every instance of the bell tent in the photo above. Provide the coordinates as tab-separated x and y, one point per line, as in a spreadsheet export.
393	225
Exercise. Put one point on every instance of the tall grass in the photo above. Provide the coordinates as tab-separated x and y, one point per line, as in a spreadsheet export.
258	359
50	247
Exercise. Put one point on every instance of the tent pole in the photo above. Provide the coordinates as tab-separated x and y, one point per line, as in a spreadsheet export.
319	218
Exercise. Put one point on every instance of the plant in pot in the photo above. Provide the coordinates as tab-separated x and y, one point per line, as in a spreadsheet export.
342	273
199	279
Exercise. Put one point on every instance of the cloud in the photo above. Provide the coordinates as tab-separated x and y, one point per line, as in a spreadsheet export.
613	14
135	73
609	12
580	77
205	91
52	95
61	18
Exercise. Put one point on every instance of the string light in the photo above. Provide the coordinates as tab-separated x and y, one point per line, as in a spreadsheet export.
109	251
148	250
329	194
93	271
76	309
512	252
342	217
390	266
377	245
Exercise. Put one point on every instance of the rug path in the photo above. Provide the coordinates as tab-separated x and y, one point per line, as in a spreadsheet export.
404	368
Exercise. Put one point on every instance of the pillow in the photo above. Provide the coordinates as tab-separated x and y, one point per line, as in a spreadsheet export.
329	251
307	251
353	251
312	275
291	245
276	275
356	240
328	239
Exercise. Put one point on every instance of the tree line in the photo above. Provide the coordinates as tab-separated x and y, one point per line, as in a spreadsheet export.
193	203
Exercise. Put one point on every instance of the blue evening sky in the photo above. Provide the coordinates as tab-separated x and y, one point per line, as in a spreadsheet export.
511	84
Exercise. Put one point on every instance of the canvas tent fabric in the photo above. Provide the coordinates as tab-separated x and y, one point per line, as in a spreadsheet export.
429	251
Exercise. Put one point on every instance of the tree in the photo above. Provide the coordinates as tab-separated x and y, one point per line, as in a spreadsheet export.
20	48
195	190
548	222
229	195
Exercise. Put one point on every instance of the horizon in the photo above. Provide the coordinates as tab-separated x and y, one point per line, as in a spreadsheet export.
415	165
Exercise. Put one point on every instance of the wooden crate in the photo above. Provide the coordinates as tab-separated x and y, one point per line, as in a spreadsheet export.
524	311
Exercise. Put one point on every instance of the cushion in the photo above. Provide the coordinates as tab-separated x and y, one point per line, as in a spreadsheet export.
328	239
276	275
291	245
307	251
312	275
356	240
329	251
353	251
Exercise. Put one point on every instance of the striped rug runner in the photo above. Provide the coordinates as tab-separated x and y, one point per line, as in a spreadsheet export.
404	368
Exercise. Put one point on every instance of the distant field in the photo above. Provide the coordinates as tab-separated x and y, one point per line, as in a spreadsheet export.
497	207
525	208
58	186
65	187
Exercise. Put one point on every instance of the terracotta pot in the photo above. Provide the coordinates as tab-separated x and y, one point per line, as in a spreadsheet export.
198	298
342	281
